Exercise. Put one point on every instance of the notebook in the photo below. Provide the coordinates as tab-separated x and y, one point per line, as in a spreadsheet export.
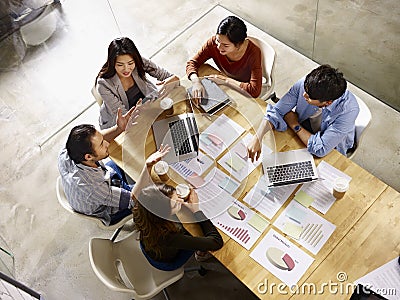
290	167
214	98
181	133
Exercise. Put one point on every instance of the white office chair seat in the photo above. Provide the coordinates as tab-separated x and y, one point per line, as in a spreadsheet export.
362	122
267	60
41	29
122	267
62	199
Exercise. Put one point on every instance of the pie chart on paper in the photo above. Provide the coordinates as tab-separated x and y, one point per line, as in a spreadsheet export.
236	213
280	259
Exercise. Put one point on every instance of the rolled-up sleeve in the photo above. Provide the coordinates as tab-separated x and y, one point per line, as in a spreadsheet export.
276	113
339	129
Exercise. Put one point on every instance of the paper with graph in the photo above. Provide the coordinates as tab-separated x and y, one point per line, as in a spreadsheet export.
236	161
281	257
241	224
219	136
308	228
268	200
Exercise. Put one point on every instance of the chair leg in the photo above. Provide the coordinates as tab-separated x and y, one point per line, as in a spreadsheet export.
166	294
200	269
116	233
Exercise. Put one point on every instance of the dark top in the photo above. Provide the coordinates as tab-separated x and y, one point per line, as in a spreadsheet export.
133	94
172	243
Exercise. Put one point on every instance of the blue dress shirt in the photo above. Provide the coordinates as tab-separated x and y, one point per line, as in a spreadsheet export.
337	125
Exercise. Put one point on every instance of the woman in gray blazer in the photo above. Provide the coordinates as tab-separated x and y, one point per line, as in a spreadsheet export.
122	80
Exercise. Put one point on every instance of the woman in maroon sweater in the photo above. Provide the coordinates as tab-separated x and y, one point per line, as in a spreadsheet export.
237	58
164	241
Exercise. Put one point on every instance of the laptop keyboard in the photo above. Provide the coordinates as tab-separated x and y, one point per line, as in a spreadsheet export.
180	136
292	173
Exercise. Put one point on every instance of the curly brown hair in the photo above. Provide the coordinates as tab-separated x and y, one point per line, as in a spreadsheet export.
147	220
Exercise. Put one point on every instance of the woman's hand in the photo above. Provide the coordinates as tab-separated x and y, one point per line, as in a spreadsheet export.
167	85
193	201
156	156
217	78
197	90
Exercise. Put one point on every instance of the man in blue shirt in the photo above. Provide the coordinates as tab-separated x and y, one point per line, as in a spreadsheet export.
323	118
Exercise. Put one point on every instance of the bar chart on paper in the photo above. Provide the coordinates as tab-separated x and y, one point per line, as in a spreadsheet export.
239	233
241	223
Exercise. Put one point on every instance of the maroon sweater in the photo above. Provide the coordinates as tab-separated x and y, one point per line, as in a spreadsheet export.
247	70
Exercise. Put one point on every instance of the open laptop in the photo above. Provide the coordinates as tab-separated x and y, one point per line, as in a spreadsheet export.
290	167
214	98
181	133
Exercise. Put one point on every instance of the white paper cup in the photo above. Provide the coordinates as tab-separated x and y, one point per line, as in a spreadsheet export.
183	191
340	187
167	104
161	169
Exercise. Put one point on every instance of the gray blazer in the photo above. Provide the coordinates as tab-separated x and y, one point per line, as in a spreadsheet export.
114	96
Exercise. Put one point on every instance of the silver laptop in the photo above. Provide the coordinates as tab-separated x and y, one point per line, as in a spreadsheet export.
290	167
181	133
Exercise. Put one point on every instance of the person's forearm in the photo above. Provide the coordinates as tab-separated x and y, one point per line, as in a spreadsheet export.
304	135
264	127
111	133
143	181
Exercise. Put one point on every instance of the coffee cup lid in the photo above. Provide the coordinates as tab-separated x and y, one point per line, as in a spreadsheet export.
341	184
161	167
166	103
182	189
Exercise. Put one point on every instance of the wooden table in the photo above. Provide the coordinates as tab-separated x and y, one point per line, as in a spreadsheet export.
358	203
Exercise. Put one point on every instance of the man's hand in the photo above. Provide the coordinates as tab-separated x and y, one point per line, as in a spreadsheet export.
156	156
291	119
129	118
168	85
254	149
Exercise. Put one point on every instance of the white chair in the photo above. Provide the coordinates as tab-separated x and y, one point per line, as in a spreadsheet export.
362	122
267	60
42	28
97	96
122	267
62	199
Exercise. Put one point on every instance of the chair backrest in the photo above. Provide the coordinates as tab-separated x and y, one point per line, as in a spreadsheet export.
268	60
362	122
62	199
122	267
363	119
96	95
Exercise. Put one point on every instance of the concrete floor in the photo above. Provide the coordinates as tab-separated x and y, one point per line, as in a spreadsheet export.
52	86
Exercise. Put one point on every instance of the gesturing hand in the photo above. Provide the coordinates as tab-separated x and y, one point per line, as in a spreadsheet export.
130	117
156	156
254	149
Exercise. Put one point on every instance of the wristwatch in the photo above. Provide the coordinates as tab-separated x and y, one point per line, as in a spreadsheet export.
297	128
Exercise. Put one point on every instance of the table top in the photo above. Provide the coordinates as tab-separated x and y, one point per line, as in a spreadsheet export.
351	214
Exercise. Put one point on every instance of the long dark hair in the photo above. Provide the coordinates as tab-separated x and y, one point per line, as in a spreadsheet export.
121	46
151	214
